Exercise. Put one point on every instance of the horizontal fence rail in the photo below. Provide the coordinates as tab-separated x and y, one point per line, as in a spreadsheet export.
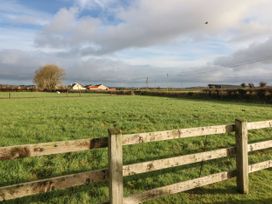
259	125
260	166
117	171
176	134
191	184
178	187
43	149
160	164
56	183
62	182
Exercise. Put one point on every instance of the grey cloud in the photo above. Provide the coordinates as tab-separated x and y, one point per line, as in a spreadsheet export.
19	65
252	64
16	65
257	52
217	74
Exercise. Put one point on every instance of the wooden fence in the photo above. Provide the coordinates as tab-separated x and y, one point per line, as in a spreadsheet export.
116	171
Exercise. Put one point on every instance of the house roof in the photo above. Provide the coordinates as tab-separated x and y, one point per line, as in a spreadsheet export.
96	86
76	83
224	85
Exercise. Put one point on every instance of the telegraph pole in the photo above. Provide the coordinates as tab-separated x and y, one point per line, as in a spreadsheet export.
167	83
147	81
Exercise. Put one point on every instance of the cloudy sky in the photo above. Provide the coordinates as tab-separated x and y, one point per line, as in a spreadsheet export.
122	42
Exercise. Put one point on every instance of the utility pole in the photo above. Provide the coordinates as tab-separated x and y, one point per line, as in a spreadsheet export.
167	83
147	81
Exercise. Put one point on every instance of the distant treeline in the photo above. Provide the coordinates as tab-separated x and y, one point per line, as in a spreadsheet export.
251	94
9	89
260	94
241	94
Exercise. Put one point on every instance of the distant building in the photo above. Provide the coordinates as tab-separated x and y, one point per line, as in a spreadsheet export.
77	86
17	87
97	87
223	86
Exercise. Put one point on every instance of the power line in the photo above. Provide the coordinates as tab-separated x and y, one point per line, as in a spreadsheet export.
256	60
199	72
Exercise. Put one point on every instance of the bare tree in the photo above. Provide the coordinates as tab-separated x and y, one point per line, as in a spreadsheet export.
251	85
48	77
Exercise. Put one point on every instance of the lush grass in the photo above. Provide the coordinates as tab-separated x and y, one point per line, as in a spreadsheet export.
44	119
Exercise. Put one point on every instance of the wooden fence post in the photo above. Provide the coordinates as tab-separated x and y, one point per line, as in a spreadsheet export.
241	134
115	166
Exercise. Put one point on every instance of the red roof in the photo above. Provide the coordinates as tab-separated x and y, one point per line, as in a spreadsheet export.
93	87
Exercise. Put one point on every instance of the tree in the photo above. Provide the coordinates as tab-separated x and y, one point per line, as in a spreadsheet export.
263	84
48	77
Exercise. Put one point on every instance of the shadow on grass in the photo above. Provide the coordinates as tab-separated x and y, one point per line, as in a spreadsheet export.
222	101
64	96
252	201
230	189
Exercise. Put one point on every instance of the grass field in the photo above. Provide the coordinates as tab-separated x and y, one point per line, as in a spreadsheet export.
44	119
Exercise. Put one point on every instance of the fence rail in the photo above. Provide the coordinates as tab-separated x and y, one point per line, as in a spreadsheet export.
47	185
43	149
116	171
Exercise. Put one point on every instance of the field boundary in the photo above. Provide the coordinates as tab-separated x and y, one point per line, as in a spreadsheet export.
116	171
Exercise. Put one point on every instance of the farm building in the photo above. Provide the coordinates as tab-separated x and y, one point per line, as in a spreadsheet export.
77	86
98	87
224	86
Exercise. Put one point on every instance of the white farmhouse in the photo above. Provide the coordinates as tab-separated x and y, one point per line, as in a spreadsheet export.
77	86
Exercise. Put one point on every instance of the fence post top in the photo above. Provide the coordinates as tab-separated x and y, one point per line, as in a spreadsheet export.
114	131
241	120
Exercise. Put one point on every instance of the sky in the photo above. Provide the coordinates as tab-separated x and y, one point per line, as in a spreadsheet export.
173	43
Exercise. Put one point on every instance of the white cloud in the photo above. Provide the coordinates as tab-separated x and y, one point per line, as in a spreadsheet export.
148	23
147	38
66	30
14	38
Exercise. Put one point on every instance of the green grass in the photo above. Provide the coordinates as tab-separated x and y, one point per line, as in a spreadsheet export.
44	119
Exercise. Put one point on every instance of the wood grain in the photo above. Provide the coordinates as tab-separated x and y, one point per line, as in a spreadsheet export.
47	185
241	135
178	187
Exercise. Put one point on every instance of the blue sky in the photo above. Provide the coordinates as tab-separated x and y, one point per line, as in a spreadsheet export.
51	7
124	41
